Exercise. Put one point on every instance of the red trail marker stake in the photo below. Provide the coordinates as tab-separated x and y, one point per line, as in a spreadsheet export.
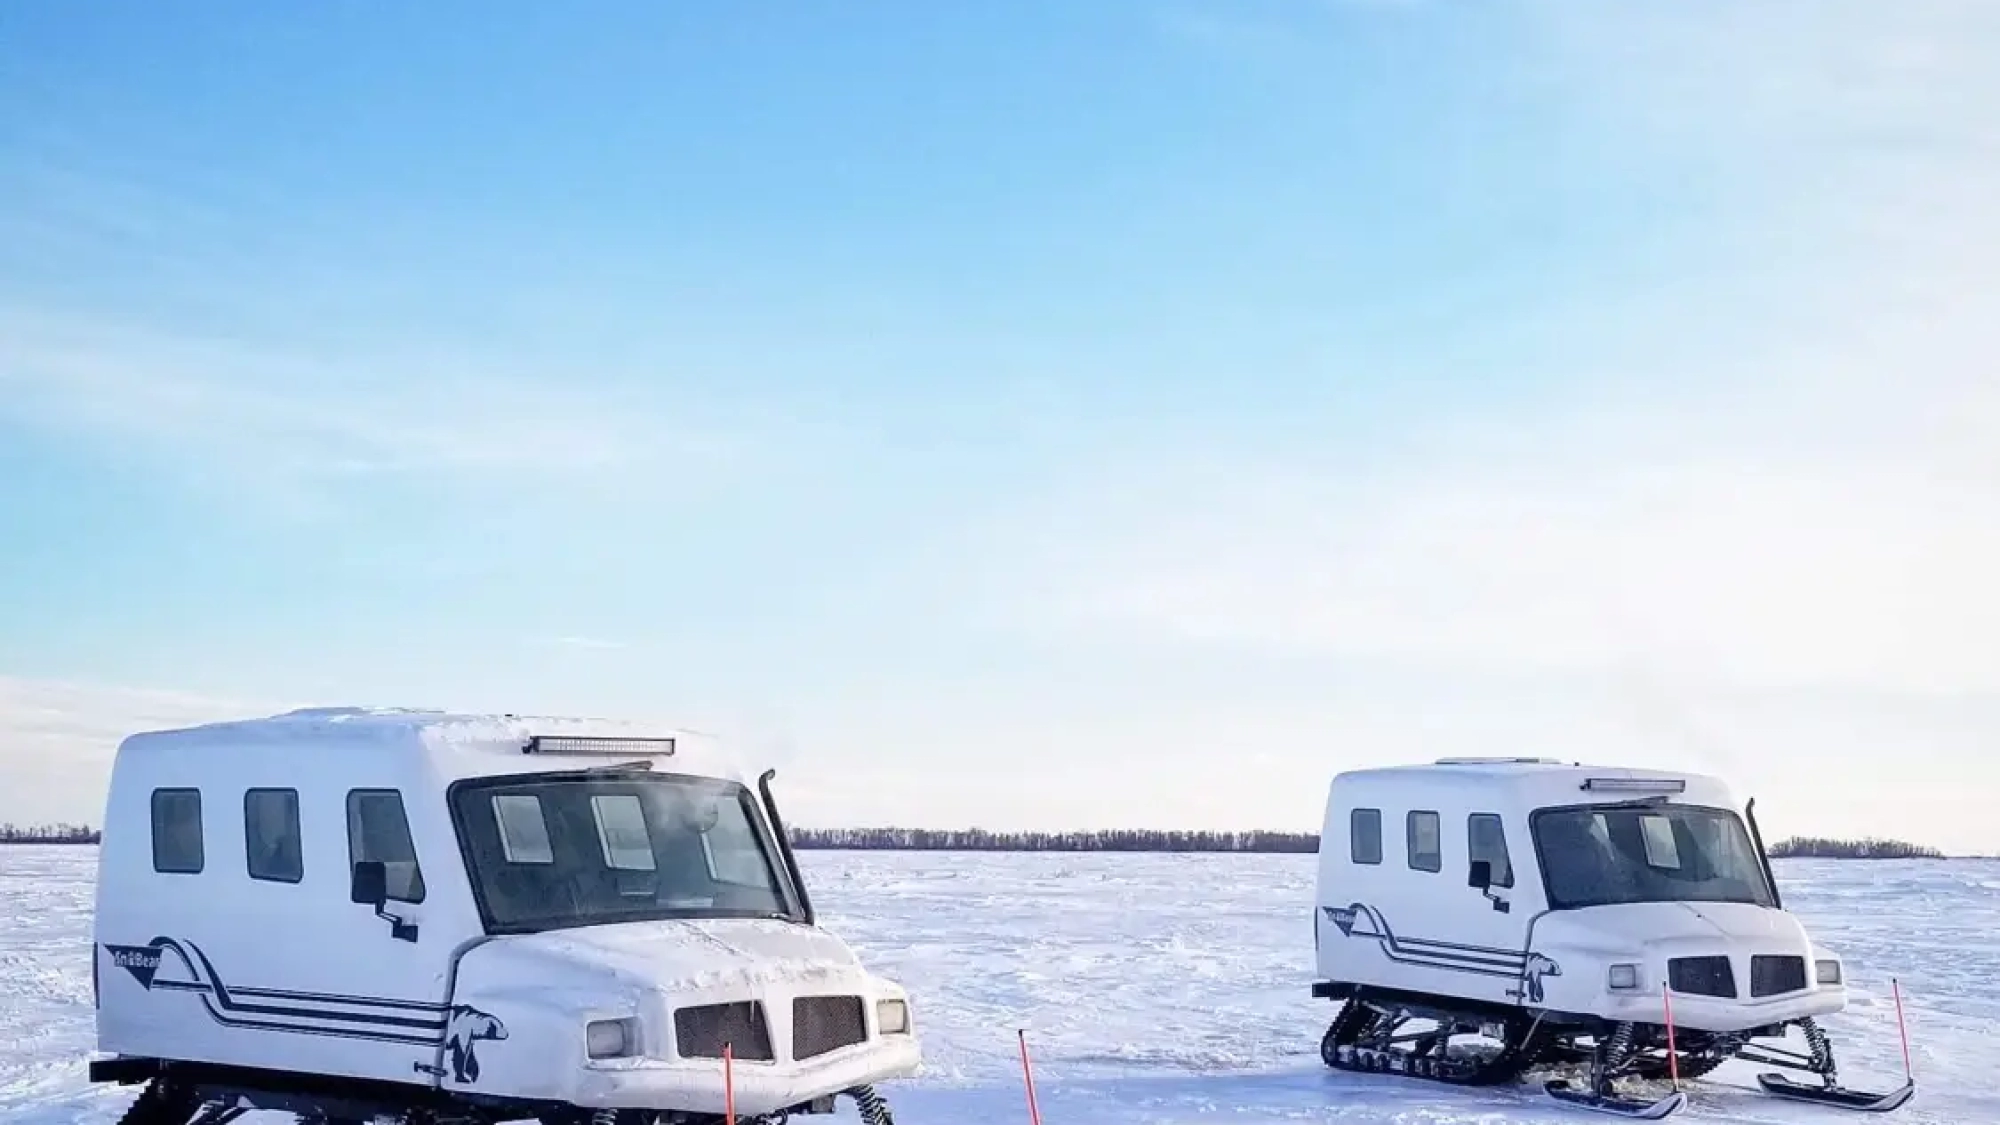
1673	1056
1028	1076
1902	1029
729	1084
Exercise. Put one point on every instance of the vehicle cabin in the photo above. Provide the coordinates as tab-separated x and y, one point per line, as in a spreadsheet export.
559	911
1446	868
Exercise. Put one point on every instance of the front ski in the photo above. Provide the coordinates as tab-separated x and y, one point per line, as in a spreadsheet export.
1636	1109
1839	1097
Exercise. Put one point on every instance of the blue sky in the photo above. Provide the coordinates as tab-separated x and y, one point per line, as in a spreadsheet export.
1040	414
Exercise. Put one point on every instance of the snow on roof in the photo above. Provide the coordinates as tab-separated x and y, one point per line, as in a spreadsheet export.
1523	773
436	730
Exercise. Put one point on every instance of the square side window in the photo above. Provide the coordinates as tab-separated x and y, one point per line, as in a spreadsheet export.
1365	831
177	843
1426	842
272	847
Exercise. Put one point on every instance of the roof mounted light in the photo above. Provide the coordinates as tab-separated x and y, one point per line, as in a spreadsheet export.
1635	784
598	746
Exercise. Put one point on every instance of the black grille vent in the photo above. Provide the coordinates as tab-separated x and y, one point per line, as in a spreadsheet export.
826	1023
1702	976
699	1033
1775	976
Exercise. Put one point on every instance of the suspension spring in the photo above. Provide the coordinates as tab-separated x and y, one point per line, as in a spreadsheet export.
874	1110
1618	1047
604	1117
1821	1047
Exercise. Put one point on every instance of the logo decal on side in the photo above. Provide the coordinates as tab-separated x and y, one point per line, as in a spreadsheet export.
142	961
167	965
1538	967
1360	920
463	1031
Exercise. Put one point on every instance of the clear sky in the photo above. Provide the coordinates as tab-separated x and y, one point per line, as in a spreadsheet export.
1038	414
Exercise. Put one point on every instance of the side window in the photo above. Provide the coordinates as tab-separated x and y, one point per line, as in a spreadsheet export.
621	831
524	831
177	831
271	846
378	830
735	854
1365	831
1486	839
1662	849
1426	842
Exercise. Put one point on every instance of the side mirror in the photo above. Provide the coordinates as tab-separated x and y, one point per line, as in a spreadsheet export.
370	885
1482	875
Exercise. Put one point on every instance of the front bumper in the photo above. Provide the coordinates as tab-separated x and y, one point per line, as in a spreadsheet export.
1720	1013
697	1085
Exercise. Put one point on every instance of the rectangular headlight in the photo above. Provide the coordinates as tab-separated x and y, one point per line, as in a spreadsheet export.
611	1039
1624	977
1828	972
892	1017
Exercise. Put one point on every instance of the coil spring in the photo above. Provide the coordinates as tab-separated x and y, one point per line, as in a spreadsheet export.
604	1117
1821	1046
874	1110
1618	1046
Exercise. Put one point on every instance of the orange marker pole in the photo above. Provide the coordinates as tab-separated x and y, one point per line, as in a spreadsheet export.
729	1084
1028	1076
1903	1029
1673	1056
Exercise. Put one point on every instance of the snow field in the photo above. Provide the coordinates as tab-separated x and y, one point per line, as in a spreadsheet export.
1158	989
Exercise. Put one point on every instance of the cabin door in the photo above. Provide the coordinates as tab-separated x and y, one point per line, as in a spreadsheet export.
365	944
1495	908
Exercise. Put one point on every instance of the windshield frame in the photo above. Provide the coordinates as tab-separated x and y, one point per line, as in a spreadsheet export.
784	881
1760	862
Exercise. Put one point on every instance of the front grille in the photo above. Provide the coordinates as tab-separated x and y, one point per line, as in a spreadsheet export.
1702	976
699	1033
1775	976
826	1023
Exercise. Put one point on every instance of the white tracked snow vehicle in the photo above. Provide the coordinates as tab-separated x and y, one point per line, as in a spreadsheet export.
1478	917
355	915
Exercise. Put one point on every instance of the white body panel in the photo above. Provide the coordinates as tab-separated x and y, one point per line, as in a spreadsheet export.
1396	924
542	987
214	966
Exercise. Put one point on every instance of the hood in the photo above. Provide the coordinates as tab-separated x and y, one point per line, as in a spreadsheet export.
693	953
1675	925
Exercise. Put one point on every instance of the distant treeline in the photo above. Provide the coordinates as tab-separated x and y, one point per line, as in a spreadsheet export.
48	834
1815	847
1110	840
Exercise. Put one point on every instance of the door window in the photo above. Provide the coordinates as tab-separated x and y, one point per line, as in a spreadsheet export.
1486	838
377	829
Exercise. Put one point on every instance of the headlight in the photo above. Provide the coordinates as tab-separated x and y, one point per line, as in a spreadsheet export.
892	1017
1828	971
1624	977
611	1039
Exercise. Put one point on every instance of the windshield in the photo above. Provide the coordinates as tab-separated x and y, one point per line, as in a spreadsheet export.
551	851
1605	854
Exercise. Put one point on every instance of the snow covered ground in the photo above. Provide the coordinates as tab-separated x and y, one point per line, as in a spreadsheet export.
1157	989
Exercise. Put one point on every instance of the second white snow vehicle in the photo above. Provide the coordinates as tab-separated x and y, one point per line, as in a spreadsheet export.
375	915
1559	913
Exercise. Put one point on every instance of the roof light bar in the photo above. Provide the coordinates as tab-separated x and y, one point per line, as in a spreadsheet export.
584	744
1636	784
